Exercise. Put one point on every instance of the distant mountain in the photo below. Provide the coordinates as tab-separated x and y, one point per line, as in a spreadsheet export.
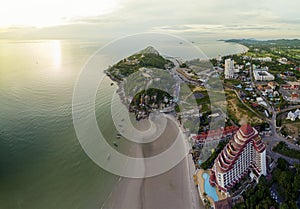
277	42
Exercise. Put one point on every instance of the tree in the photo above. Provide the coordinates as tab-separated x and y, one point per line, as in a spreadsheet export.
296	182
284	206
282	164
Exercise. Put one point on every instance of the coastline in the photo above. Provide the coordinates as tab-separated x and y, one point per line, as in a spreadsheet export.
143	193
172	189
244	50
157	191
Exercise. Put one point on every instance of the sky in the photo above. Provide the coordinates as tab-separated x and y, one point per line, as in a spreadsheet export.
106	19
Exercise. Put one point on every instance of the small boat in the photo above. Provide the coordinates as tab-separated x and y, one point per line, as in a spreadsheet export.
108	156
115	144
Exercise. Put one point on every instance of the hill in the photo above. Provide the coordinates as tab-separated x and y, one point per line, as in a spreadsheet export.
148	57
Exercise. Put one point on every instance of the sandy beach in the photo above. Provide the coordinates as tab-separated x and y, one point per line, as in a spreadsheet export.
172	189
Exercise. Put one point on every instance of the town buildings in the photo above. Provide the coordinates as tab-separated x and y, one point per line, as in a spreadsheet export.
245	153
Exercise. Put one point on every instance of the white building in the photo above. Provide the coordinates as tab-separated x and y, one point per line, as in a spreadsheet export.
262	75
243	154
260	101
283	60
293	116
229	68
263	59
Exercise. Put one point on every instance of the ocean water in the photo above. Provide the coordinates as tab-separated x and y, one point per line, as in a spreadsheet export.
42	164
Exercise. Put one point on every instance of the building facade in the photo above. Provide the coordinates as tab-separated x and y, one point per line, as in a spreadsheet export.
229	68
263	75
244	153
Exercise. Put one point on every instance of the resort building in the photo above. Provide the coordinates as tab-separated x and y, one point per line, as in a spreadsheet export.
293	115
243	154
262	75
263	59
229	69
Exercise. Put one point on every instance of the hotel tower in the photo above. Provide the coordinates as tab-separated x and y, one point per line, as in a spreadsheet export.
244	153
229	68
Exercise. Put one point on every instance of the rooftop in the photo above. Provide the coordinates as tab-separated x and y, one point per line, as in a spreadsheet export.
246	129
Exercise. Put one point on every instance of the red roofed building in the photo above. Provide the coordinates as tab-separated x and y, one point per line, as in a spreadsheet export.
216	134
243	153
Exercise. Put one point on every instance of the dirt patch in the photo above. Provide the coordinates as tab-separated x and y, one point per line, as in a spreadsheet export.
292	129
241	114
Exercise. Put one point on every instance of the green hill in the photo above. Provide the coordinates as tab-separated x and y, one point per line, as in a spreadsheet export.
148	57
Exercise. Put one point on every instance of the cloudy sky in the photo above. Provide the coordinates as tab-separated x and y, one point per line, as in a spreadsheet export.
263	19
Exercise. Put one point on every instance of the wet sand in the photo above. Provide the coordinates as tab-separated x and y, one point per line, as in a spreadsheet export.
172	189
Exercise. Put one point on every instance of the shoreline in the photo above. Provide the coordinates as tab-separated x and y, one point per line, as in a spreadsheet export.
173	189
137	187
245	50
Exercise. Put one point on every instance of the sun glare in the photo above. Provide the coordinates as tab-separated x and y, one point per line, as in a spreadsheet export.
56	52
51	12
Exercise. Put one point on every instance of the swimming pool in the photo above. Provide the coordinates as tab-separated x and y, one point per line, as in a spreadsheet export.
209	190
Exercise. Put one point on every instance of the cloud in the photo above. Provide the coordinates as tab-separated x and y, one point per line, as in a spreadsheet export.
231	18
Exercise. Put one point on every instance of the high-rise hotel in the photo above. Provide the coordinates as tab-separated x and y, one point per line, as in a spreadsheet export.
229	69
245	152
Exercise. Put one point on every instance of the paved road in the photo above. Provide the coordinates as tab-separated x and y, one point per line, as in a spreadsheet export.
289	108
275	137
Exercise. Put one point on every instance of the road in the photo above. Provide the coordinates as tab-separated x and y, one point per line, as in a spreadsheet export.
275	137
289	108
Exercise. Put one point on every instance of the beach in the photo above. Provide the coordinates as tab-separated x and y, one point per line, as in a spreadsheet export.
172	189
36	114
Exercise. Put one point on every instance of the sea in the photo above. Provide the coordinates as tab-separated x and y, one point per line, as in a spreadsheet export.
42	165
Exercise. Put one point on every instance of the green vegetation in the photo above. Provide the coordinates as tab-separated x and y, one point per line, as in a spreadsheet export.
210	161
286	181
148	57
258	197
238	111
155	96
283	149
183	65
284	43
232	82
204	121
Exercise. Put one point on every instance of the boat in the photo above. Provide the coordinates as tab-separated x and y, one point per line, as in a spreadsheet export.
115	144
108	156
